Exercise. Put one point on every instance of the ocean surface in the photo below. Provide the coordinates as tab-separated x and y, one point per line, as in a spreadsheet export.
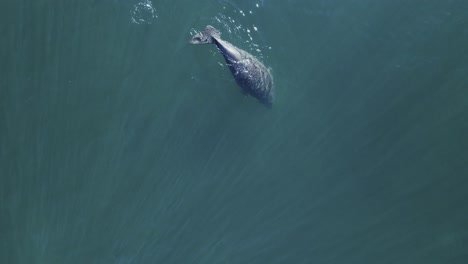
121	143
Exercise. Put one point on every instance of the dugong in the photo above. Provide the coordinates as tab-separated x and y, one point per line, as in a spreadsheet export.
250	74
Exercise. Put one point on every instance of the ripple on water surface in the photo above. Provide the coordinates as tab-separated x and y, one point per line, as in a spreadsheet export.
143	12
240	23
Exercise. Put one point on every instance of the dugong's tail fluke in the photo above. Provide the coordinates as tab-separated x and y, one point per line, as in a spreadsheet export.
206	36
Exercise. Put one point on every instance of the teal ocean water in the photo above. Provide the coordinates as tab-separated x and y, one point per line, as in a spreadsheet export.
122	143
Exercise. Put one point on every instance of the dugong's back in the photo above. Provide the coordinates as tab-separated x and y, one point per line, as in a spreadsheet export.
253	77
250	74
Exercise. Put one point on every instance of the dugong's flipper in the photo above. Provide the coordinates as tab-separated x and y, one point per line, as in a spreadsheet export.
206	36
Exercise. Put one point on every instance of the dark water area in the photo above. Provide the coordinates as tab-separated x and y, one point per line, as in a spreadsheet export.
121	143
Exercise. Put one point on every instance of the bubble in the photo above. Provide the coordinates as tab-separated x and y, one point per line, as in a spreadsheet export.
143	12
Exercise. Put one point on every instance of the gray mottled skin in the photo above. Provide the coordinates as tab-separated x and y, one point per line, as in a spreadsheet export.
251	75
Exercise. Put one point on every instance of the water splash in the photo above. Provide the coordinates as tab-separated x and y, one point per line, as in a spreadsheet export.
143	12
238	25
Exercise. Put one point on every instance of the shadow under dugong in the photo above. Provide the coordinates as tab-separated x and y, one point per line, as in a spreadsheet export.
250	74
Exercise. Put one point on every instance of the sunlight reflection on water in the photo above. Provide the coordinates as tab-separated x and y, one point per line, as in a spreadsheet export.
240	25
